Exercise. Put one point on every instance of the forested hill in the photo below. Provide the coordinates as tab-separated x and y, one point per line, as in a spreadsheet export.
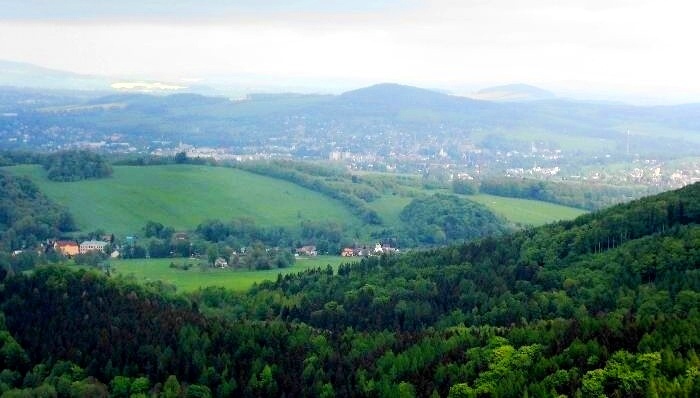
605	305
495	280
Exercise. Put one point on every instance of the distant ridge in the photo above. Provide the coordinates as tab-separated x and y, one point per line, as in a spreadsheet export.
26	75
514	92
382	91
20	74
396	95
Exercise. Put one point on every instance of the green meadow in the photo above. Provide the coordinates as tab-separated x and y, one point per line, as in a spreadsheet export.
182	196
150	270
515	210
389	207
526	211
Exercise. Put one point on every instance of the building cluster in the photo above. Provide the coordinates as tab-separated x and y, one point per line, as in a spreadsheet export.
70	248
308	251
366	251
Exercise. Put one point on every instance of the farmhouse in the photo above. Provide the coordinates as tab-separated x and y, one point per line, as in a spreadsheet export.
220	263
365	251
92	245
307	251
68	248
355	252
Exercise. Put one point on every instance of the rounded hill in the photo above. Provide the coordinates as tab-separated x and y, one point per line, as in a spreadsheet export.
182	196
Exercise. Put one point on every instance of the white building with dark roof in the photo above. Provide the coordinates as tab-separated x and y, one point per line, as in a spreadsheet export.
92	245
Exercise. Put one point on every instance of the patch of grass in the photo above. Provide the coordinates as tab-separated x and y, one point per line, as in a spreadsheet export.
389	207
182	196
526	211
146	270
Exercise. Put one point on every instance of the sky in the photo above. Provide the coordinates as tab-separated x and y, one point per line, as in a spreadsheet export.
640	47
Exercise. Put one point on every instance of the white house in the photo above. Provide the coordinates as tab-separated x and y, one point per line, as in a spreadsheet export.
92	245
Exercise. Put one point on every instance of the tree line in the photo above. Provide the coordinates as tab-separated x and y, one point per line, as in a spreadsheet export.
575	194
319	179
69	165
75	165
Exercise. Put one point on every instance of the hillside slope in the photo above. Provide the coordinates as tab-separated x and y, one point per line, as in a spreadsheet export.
183	197
605	305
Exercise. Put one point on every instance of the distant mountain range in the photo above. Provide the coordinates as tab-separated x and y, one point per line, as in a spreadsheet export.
392	117
25	75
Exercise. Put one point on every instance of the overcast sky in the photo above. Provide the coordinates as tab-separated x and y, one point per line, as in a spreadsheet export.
635	46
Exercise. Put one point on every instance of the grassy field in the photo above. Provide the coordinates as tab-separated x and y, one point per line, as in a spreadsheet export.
159	270
182	196
525	211
521	211
389	207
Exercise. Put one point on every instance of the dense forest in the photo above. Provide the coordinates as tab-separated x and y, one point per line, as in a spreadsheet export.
27	216
605	305
76	165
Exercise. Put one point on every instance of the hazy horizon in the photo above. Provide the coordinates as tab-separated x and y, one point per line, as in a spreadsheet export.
617	50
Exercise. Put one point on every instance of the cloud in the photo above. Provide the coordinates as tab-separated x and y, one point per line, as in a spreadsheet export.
617	43
180	10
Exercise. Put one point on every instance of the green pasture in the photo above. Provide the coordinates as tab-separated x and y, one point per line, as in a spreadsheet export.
182	196
526	211
159	269
389	207
515	210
